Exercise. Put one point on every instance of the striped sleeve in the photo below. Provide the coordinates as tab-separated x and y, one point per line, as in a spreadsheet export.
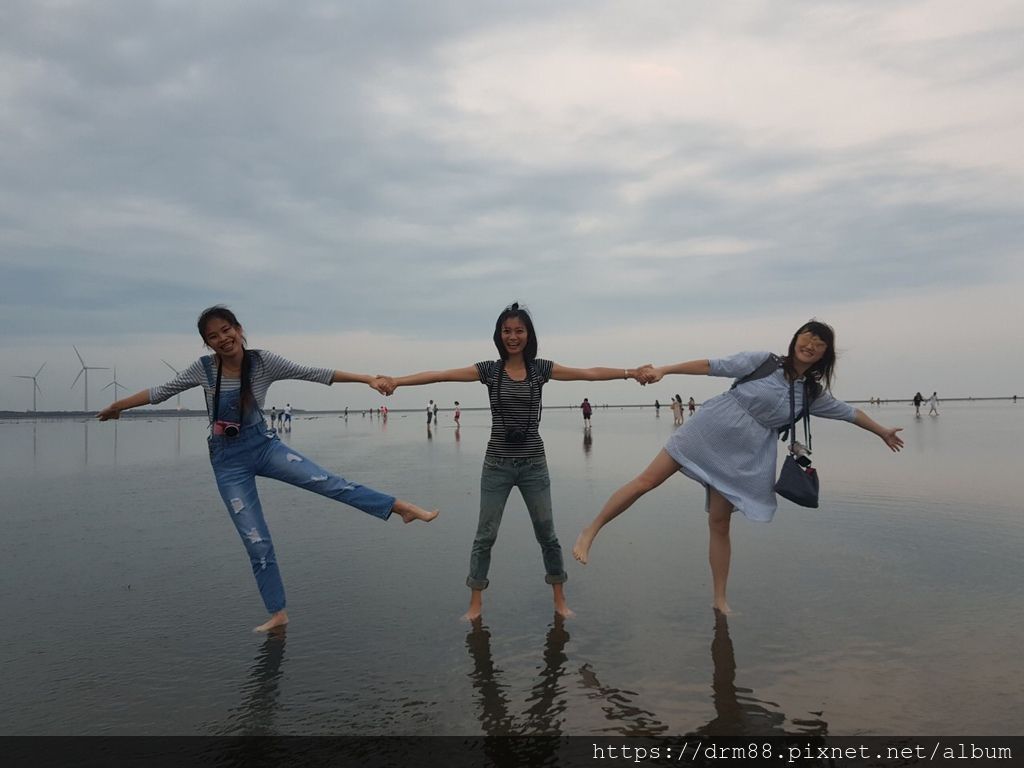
273	367
544	368
193	376
485	370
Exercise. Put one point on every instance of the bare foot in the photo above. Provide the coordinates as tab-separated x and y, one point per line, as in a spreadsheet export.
722	607
581	549
561	607
476	607
410	512
278	619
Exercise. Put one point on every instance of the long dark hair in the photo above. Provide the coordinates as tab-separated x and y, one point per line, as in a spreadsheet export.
521	313
822	371
220	312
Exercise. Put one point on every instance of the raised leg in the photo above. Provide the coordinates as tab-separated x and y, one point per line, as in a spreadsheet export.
657	472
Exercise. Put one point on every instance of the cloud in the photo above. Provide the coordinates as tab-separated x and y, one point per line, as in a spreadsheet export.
406	172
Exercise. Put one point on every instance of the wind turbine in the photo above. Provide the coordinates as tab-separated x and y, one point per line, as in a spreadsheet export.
35	384
176	371
85	370
115	384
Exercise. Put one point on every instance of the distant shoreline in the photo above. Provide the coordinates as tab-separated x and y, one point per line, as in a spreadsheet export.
165	413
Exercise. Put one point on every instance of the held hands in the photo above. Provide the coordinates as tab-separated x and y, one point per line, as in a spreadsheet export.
384	384
647	374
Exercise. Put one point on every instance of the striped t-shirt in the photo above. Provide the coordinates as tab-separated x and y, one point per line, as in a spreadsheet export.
518	410
265	368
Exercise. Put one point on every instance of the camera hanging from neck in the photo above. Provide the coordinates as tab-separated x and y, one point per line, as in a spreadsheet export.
518	433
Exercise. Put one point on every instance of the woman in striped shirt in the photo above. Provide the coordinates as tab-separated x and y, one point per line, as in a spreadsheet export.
515	453
235	381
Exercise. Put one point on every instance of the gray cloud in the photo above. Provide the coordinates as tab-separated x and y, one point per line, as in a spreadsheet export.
408	169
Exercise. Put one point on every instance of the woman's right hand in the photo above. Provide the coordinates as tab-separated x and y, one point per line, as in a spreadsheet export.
110	412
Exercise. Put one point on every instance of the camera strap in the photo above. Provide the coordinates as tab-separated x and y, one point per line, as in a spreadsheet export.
241	387
216	393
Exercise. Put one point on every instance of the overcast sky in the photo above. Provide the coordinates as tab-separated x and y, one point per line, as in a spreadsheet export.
367	184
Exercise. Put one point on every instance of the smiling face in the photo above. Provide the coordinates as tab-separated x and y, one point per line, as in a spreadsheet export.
809	348
514	336
224	337
812	351
514	333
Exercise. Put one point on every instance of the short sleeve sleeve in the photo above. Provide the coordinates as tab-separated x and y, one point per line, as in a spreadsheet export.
828	407
738	365
544	368
485	370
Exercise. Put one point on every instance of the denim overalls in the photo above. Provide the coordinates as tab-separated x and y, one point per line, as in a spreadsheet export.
259	451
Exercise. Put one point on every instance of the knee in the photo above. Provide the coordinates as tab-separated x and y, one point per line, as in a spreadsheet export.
719	526
258	545
485	538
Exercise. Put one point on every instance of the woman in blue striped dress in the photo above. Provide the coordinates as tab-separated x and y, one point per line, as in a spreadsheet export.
729	446
235	381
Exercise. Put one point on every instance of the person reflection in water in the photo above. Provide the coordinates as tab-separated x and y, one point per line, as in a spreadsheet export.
548	695
738	712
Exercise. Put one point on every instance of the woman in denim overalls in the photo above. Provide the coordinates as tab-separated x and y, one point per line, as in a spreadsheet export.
235	381
515	453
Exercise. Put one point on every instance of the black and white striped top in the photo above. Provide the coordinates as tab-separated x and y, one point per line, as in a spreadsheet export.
520	407
267	367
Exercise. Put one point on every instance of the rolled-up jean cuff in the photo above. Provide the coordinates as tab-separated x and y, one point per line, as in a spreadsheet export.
479	584
559	579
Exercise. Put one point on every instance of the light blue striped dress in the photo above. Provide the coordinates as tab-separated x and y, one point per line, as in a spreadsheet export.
731	443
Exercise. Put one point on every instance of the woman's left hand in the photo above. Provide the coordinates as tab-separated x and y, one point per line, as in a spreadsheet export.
891	439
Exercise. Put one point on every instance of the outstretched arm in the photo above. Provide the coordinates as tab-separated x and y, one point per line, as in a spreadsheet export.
690	367
888	434
113	411
562	373
391	383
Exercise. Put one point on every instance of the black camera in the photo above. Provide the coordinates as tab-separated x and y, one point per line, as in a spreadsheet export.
226	428
515	435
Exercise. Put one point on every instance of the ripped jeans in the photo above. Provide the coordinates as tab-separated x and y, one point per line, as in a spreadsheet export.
257	451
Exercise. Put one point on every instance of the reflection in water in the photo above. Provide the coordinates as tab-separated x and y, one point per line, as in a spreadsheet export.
737	711
548	697
618	707
588	441
542	720
255	716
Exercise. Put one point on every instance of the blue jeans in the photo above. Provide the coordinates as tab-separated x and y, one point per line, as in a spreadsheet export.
530	475
258	451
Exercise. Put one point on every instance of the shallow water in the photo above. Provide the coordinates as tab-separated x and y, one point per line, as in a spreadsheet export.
893	609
